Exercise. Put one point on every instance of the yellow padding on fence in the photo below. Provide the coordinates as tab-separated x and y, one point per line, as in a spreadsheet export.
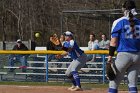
49	52
97	52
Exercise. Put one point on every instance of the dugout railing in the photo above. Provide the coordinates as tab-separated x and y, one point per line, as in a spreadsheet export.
58	71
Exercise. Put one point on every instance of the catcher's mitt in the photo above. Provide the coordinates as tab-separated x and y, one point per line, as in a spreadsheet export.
55	40
110	71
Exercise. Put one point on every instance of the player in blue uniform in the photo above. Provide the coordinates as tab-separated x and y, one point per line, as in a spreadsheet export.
125	37
79	59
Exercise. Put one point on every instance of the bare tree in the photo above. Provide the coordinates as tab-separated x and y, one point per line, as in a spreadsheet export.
22	18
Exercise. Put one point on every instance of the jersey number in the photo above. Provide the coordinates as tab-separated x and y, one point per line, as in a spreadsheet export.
129	34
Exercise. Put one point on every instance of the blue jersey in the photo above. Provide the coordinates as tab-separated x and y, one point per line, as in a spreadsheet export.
76	51
126	40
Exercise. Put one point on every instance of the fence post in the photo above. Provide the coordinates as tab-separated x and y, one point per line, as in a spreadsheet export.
104	65
46	59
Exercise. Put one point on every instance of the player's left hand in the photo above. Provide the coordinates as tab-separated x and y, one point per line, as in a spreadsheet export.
55	40
110	69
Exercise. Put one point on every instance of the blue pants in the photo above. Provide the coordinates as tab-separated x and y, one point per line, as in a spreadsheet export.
15	58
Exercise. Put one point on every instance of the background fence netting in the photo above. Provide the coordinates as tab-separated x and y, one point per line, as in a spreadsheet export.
44	67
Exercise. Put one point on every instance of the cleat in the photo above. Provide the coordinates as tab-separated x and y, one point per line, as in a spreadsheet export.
72	87
77	88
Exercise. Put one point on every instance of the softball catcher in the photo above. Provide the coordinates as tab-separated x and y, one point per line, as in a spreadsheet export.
126	39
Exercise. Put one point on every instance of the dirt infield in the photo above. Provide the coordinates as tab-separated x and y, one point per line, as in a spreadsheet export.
47	89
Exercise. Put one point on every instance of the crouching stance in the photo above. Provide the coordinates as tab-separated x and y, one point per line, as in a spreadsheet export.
79	59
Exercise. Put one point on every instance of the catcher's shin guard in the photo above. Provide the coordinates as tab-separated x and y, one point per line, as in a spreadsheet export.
110	71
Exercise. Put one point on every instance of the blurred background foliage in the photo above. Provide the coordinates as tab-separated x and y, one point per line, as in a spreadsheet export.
23	18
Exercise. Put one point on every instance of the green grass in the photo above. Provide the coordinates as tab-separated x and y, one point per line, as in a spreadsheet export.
85	85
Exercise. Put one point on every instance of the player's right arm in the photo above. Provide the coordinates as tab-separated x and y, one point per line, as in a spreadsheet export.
116	27
67	47
113	43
